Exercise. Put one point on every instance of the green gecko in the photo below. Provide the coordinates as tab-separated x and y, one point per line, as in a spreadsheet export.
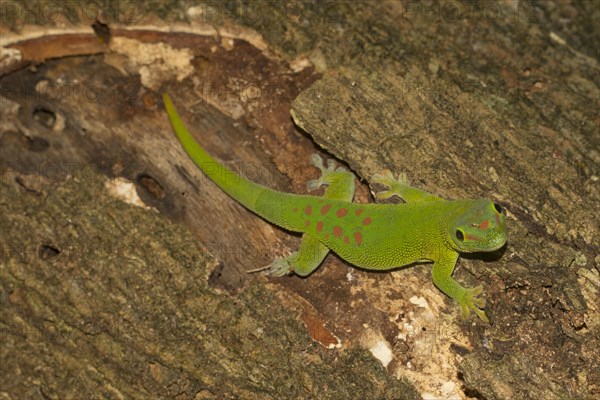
374	236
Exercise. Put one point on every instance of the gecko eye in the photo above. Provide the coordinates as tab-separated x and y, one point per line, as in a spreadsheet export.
460	235
498	208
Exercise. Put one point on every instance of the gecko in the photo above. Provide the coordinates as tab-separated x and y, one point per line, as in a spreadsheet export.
372	236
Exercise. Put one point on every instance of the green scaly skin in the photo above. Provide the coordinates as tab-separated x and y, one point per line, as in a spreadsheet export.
425	228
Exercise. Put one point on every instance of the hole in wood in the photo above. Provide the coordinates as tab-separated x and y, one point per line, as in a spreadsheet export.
151	186
44	117
47	252
102	31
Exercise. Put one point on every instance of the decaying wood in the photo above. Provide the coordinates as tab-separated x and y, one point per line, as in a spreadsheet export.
109	299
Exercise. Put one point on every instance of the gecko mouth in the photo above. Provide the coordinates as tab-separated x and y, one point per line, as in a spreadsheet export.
498	243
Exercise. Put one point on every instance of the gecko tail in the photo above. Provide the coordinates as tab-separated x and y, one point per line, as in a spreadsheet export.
241	189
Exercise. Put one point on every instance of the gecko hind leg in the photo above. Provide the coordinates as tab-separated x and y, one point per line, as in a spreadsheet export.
302	262
340	185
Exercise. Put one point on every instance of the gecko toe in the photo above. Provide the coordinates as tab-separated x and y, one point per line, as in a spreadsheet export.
317	161
383	178
482	316
313	185
473	301
279	267
331	164
383	195
403	178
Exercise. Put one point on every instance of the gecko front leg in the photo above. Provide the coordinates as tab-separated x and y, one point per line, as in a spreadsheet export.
400	187
469	299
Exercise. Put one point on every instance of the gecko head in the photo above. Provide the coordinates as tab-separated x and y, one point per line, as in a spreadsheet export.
477	225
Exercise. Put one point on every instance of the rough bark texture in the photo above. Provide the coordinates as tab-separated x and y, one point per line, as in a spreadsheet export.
478	99
101	299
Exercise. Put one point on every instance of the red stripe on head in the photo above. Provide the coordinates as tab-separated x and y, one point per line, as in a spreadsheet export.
358	212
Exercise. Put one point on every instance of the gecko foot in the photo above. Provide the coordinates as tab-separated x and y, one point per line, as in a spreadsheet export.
386	178
327	173
281	266
472	301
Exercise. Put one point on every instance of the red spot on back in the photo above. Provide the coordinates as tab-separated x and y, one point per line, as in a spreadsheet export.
341	212
307	223
484	224
358	238
325	208
358	212
337	231
367	221
346	239
319	226
308	210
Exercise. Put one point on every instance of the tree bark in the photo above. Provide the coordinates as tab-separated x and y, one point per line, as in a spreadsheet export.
104	297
